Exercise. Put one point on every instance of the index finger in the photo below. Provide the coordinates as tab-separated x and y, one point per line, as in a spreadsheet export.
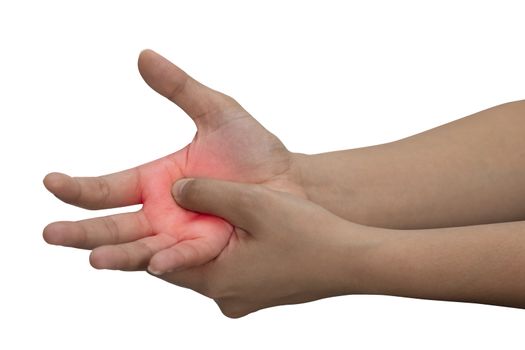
101	192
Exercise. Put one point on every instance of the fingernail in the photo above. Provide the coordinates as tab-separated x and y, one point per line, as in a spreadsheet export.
154	271
178	186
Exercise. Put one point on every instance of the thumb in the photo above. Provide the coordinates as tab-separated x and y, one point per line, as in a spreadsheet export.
200	102
237	203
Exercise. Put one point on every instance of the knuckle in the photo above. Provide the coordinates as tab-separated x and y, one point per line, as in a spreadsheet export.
111	229
83	238
177	89
250	202
250	197
232	308
103	190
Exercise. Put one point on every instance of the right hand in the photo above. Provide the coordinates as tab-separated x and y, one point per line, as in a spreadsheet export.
284	249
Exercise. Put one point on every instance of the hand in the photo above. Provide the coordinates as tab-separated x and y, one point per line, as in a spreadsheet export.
229	144
284	249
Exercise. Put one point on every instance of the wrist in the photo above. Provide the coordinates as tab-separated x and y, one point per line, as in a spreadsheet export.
362	258
335	182
303	173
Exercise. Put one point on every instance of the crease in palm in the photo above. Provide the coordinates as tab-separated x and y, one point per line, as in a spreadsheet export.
229	145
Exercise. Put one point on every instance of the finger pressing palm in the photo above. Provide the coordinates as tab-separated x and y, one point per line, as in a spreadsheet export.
229	145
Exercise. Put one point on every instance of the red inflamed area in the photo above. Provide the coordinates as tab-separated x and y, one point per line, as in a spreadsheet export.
166	217
162	236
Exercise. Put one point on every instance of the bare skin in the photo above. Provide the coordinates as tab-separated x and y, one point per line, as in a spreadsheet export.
229	144
289	250
467	172
303	229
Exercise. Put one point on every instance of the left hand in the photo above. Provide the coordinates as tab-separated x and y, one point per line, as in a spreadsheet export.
229	144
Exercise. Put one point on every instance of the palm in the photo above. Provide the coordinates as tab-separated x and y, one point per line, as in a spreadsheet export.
229	145
232	152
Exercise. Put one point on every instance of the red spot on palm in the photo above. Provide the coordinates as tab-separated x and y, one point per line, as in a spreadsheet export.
228	153
229	145
163	213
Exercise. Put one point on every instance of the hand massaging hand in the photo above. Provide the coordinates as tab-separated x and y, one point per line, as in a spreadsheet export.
229	144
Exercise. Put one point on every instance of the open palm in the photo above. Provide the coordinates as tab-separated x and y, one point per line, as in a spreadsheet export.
229	144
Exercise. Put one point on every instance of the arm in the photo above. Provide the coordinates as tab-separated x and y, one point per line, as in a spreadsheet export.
286	250
482	264
412	183
470	171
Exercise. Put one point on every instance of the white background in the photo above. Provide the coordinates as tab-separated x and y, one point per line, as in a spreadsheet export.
322	75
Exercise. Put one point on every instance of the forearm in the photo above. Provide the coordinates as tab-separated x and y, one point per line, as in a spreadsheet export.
482	264
470	171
